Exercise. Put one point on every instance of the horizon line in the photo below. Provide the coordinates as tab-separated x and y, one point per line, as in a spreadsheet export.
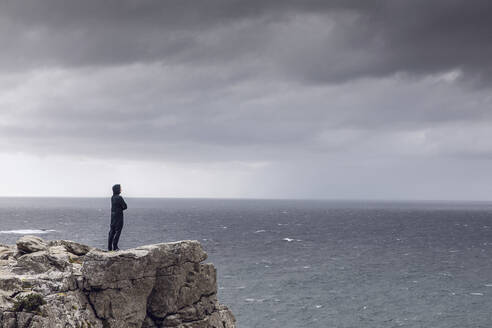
410	200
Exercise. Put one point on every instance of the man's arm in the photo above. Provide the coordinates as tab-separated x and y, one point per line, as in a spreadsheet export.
123	204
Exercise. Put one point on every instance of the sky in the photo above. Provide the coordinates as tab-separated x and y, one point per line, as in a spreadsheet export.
336	99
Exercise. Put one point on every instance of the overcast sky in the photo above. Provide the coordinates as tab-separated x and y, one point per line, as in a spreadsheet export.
261	98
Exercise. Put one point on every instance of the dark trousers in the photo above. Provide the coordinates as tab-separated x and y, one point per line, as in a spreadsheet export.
114	232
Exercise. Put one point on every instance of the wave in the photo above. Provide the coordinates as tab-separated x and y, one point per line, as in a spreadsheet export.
27	231
291	239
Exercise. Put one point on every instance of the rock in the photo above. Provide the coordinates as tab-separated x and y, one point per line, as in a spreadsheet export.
31	244
6	252
72	247
74	285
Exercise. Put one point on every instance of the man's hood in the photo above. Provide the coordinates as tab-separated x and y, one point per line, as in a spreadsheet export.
116	189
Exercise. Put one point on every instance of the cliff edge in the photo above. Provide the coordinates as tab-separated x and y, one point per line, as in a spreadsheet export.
65	284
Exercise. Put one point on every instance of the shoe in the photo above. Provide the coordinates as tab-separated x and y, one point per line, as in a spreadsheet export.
116	249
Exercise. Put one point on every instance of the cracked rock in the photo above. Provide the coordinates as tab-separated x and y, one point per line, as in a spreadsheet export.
153	286
31	244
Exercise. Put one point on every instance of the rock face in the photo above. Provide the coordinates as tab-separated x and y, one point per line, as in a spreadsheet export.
65	284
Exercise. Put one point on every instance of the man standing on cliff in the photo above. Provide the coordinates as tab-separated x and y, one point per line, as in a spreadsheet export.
118	205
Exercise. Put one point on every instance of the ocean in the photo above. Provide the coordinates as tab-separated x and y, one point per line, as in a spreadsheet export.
300	263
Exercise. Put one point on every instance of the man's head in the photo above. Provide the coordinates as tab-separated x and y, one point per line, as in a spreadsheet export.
116	189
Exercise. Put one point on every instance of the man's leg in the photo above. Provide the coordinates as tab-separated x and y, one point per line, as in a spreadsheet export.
112	233
117	234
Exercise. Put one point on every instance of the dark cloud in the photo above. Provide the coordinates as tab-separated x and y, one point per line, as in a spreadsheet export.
237	79
315	41
299	98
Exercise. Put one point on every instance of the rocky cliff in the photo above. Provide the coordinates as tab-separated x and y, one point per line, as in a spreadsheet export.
65	284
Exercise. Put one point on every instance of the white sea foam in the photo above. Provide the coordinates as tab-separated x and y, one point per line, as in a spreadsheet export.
476	294
488	285
260	231
256	300
288	239
27	231
237	287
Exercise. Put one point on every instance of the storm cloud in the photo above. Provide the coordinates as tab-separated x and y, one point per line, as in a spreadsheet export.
323	41
274	88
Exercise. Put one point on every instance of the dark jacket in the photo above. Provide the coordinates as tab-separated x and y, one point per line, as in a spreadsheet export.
118	205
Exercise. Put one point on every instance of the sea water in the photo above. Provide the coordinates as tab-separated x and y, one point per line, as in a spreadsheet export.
292	263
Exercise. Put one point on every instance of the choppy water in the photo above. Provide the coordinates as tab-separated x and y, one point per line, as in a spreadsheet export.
294	264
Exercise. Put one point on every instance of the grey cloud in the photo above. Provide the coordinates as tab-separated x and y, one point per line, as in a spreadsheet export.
150	112
242	80
309	40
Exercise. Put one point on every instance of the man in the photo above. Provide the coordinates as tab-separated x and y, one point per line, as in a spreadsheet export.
118	205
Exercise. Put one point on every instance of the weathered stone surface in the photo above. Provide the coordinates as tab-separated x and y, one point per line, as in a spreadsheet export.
72	247
162	285
6	252
31	244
